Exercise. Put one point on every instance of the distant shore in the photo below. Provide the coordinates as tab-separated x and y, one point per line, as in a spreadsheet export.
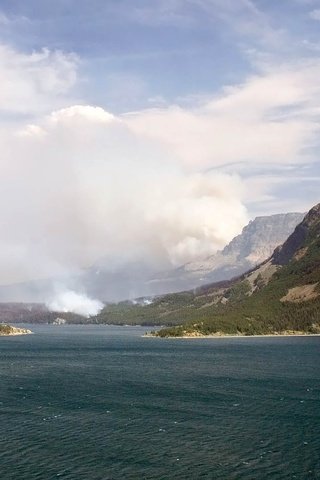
201	337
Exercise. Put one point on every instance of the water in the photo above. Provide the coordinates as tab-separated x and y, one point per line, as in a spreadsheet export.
98	403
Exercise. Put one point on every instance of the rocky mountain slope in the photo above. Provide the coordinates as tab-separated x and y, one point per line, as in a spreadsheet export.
281	295
255	244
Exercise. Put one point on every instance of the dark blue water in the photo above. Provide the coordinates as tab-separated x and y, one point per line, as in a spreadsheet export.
98	403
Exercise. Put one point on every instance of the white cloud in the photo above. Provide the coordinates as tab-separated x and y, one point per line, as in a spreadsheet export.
12	21
33	83
244	19
315	14
272	117
81	183
4	20
70	115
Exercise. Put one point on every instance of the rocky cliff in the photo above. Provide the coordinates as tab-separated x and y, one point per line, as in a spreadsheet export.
255	244
281	295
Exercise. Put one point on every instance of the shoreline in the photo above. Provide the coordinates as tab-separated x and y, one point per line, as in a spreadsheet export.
15	331
15	334
201	337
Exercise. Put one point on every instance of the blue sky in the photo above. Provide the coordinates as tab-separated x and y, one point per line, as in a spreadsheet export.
213	106
165	49
169	50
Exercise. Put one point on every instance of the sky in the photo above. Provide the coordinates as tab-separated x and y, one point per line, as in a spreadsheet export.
134	130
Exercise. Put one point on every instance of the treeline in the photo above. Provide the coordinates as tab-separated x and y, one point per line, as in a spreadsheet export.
34	313
264	312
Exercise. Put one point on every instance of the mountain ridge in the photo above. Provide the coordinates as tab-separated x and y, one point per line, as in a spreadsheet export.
253	245
282	294
132	280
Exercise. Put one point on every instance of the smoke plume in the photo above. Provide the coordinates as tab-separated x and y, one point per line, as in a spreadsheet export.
69	301
80	186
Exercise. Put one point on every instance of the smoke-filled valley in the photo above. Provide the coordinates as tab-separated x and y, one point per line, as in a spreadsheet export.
113	187
83	187
86	293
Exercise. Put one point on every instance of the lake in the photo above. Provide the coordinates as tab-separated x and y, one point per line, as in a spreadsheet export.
102	403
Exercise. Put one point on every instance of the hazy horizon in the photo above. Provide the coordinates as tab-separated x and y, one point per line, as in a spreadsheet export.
138	133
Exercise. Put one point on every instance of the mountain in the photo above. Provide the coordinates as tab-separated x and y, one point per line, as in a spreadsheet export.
255	244
281	295
137	279
129	280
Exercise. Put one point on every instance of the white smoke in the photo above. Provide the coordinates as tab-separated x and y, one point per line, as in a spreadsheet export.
73	302
81	186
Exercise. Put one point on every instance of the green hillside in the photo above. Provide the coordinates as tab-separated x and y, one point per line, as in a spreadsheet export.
280	295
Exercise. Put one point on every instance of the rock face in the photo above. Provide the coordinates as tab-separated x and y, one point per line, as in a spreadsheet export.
59	321
259	239
279	296
255	244
291	247
9	330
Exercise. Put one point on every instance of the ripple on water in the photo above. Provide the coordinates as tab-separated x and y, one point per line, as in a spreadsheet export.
98	407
